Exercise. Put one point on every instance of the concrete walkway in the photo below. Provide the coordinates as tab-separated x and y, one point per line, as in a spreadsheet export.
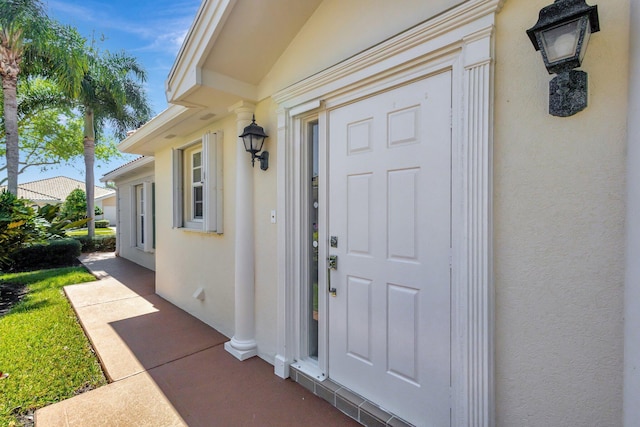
167	368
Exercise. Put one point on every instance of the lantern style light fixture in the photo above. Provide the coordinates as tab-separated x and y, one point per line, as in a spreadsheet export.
562	34
253	138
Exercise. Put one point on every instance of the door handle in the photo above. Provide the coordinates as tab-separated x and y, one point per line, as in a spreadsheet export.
333	265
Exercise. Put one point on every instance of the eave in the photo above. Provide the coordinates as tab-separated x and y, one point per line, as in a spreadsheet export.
158	132
229	49
136	167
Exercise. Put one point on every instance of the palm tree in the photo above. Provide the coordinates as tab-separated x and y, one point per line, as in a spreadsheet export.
18	21
31	43
111	96
47	124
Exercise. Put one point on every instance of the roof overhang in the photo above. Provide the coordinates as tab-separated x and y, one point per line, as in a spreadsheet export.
229	49
138	166
106	196
160	131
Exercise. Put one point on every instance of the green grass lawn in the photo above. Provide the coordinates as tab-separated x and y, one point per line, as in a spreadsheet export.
42	346
99	232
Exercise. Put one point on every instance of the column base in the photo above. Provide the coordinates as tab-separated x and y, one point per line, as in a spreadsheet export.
240	354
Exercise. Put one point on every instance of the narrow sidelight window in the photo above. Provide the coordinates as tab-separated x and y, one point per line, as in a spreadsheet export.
313	240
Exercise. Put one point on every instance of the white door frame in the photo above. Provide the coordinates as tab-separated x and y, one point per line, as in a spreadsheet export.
460	39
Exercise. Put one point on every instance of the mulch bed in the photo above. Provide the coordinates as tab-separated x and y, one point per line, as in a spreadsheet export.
10	295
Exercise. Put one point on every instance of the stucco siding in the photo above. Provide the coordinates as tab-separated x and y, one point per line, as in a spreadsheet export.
632	282
187	260
126	226
559	230
340	29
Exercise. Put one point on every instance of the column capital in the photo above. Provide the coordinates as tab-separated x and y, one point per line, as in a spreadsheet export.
242	108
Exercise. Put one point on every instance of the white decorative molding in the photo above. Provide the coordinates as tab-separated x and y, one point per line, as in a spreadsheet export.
444	30
473	403
460	40
289	257
186	73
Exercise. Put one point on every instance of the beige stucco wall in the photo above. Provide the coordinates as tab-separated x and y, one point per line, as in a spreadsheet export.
340	29
125	227
559	235
186	260
266	253
632	281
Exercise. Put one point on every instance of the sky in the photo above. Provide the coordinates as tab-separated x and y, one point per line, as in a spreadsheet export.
150	30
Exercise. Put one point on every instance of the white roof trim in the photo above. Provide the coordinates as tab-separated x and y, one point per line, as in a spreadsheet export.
186	74
128	168
173	115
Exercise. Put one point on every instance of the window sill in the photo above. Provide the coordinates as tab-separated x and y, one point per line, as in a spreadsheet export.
152	251
197	230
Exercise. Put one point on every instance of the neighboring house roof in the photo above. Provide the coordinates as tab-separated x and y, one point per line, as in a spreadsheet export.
53	190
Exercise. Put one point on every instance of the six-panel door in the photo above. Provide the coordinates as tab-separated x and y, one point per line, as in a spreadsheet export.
390	206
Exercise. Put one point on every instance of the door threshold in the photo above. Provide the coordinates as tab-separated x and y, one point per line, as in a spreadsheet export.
357	407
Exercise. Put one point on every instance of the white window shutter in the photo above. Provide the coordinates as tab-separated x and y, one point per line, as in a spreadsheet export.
219	182
148	218
212	155
133	232
178	178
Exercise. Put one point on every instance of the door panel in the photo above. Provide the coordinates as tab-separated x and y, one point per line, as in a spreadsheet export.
390	206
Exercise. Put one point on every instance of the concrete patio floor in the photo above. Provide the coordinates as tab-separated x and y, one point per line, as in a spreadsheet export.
167	368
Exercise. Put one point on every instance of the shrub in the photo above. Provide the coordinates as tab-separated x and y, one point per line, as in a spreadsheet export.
102	223
51	225
98	244
75	205
49	254
17	225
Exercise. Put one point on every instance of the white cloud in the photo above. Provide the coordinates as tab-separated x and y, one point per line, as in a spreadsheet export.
158	26
151	30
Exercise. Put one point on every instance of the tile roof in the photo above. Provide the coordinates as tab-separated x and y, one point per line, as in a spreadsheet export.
142	163
55	189
136	160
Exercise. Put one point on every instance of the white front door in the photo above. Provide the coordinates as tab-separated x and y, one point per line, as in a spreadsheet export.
390	210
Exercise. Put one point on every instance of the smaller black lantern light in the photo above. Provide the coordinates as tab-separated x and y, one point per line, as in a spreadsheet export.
562	34
253	138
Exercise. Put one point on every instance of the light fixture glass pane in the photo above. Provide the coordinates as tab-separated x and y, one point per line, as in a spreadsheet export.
256	143
561	42
587	36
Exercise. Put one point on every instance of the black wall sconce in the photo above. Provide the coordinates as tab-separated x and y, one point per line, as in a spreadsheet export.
562	34
253	138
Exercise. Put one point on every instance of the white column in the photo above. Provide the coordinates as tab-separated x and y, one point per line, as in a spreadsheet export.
632	274
243	343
